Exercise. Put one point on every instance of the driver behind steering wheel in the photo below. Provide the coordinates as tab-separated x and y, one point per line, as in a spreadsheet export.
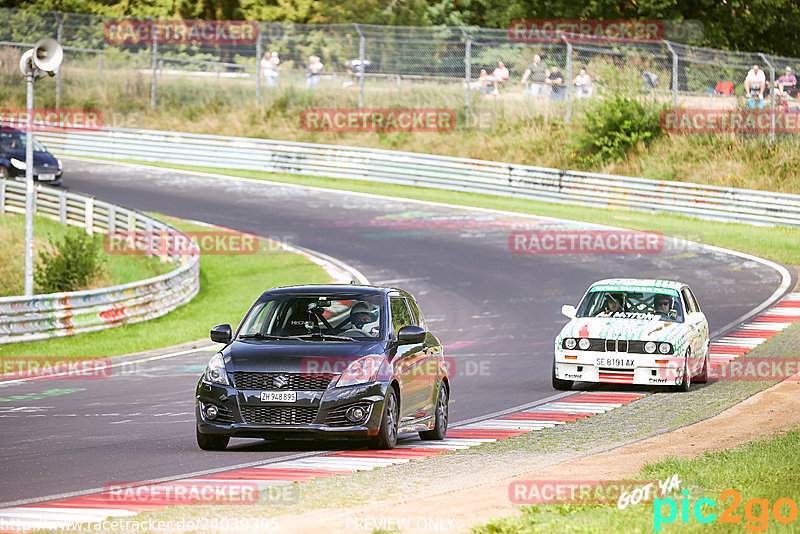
364	318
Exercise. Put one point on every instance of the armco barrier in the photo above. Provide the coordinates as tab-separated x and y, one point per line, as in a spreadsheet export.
63	314
716	203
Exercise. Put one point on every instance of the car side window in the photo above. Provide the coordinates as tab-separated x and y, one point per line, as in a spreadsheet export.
401	315
691	305
417	314
694	299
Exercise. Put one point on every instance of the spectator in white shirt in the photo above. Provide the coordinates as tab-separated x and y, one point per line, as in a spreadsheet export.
500	75
583	84
755	82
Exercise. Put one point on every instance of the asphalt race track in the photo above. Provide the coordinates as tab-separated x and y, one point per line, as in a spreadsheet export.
496	312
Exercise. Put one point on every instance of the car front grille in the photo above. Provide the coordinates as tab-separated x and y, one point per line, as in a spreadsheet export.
279	415
290	381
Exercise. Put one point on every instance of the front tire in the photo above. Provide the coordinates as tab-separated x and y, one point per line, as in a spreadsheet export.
440	428
4	174
212	442
559	384
687	379
703	376
387	434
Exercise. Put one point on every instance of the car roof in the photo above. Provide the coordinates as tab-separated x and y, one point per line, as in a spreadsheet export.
331	288
641	282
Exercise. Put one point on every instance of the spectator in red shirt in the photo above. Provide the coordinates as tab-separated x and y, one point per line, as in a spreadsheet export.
787	84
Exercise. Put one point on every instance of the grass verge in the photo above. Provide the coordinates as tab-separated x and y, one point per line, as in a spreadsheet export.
116	269
779	244
761	472
228	286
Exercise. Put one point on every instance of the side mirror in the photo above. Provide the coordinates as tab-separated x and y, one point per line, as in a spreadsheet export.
221	333
410	334
569	310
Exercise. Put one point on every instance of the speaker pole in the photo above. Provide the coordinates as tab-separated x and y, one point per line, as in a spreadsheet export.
29	189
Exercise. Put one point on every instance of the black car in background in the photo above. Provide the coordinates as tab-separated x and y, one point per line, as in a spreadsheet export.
46	167
325	361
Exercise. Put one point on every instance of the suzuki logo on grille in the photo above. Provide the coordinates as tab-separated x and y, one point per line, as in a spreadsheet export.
280	381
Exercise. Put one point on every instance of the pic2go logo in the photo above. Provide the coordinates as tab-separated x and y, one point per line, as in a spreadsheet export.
783	511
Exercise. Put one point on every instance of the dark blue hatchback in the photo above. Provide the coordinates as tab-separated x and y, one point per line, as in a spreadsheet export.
46	167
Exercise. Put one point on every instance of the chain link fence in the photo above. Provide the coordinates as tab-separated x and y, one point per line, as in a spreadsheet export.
380	67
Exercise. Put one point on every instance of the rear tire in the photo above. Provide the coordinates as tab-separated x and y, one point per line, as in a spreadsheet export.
387	434
559	384
212	442
440	428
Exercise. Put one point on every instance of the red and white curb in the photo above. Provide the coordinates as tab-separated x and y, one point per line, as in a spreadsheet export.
755	331
97	507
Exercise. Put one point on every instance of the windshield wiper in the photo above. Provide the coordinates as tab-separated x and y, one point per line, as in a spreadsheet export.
325	337
259	335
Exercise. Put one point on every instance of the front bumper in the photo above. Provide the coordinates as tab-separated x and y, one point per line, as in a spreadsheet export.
619	368
319	412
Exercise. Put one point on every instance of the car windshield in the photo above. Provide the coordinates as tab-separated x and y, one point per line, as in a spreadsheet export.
648	304
16	141
323	317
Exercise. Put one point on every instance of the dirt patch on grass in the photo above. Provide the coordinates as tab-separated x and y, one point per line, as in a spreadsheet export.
457	509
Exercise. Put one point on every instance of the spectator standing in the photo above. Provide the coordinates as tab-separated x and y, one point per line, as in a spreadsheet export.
787	84
500	76
312	76
754	84
556	82
269	66
583	84
537	72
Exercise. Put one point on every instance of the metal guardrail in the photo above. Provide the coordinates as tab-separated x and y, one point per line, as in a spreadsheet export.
64	314
708	202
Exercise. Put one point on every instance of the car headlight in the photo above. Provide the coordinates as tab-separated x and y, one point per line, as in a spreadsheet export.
361	371
60	165
570	343
583	343
215	372
665	348
649	347
18	164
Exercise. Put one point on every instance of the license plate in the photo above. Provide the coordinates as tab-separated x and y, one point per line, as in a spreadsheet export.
614	362
46	177
278	396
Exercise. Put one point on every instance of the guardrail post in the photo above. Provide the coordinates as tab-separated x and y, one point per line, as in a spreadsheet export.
112	219
88	216
363	73
131	221
259	74
771	98
155	65
674	76
62	208
467	73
